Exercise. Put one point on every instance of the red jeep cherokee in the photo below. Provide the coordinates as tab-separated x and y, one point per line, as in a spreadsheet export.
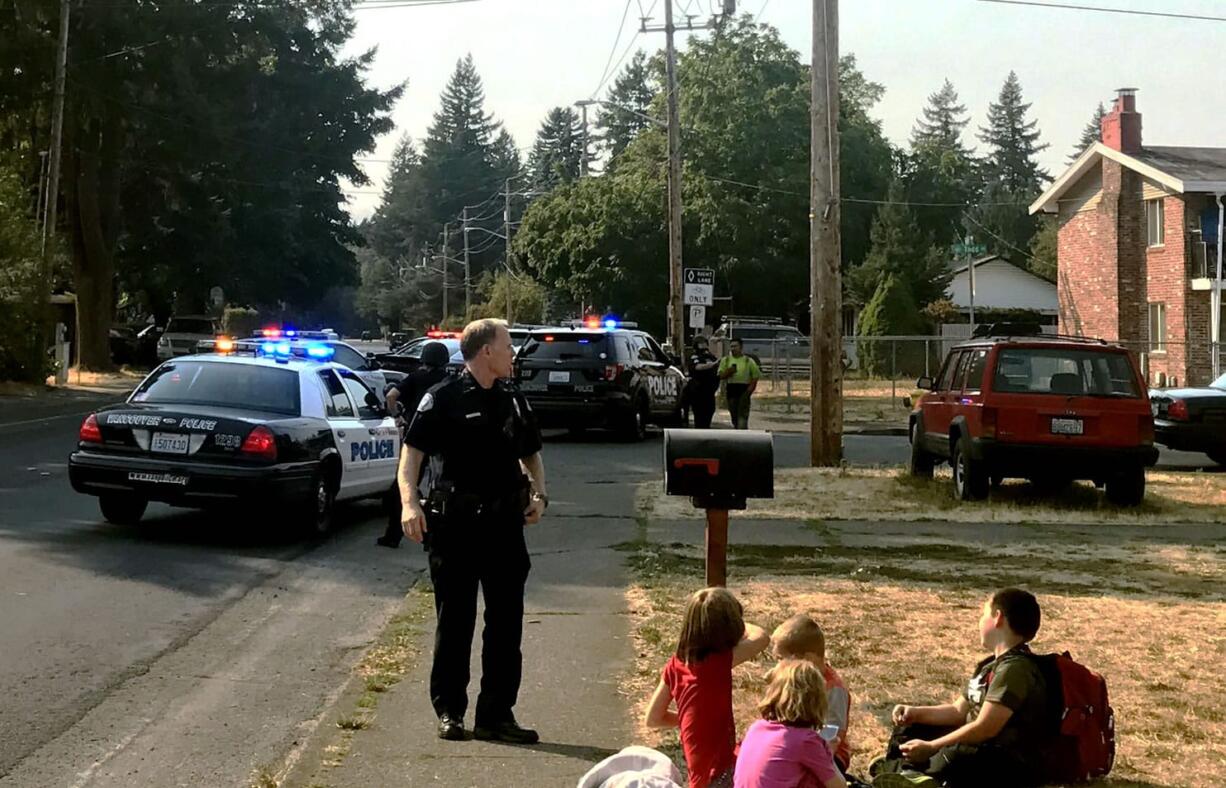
1047	409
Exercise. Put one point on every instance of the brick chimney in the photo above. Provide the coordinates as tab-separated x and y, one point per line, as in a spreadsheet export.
1122	125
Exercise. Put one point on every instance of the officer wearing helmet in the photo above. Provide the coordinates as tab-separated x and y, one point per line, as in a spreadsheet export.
403	397
486	482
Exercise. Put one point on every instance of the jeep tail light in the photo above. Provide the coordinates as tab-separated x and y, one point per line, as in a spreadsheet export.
1178	410
988	422
90	433
1145	429
613	371
260	444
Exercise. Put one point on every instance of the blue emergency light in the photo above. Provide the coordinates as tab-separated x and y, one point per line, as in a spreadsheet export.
320	351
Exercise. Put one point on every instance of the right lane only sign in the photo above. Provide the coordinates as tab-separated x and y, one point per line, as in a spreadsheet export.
699	287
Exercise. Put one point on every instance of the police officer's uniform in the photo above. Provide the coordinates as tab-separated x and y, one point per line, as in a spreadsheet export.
474	439
702	386
411	390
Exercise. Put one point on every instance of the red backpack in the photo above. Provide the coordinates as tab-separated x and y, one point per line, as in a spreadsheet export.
1084	746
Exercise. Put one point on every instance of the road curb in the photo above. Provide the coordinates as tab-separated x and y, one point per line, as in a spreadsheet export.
304	761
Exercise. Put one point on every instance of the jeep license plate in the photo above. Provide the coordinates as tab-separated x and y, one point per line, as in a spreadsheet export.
1067	427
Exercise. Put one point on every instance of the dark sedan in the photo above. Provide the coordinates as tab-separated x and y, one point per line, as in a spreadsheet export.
1192	419
407	358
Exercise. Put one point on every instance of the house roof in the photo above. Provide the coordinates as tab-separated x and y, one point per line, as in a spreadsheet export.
957	266
1180	169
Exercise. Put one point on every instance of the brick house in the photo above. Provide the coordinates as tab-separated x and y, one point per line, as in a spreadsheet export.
1138	246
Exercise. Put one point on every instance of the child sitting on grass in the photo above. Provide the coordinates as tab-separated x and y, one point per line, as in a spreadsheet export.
784	748
801	638
993	734
698	679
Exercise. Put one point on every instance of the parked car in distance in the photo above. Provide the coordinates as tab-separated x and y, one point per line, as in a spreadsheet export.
1051	410
183	334
1192	419
766	339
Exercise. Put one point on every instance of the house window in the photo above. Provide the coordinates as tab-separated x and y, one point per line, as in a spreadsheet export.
1157	328
1154	231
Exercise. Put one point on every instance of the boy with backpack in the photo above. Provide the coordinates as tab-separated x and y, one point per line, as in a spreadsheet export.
996	731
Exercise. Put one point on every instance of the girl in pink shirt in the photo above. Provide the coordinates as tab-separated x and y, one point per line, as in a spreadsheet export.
783	749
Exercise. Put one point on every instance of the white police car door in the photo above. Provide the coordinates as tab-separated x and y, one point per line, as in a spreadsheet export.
381	447
373	378
350	435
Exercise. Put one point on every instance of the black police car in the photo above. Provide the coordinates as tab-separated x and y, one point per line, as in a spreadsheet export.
607	376
276	430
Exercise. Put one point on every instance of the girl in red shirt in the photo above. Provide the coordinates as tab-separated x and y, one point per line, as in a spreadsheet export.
698	681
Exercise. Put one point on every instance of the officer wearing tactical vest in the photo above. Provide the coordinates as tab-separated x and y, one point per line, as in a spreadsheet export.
485	482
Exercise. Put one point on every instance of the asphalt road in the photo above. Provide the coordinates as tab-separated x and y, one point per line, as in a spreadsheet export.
203	640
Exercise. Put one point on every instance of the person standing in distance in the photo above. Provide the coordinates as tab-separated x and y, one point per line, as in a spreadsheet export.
402	398
487	482
741	374
704	382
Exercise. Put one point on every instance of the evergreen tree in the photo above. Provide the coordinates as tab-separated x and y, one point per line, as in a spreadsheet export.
1092	133
628	107
504	156
557	154
459	161
890	311
940	168
1043	249
901	251
1013	142
941	126
400	223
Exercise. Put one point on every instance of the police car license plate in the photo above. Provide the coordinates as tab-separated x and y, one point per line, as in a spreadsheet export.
1067	427
158	478
559	377
169	443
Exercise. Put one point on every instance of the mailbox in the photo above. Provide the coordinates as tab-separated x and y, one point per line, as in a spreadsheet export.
719	469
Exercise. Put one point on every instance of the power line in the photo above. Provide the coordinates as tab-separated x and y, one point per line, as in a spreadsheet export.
1106	10
621	28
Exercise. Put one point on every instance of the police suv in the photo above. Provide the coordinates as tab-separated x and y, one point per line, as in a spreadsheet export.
269	427
600	374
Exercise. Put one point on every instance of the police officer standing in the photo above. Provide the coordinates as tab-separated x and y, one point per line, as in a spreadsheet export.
403	397
704	382
486	482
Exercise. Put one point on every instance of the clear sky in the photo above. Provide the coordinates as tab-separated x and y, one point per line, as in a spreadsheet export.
536	54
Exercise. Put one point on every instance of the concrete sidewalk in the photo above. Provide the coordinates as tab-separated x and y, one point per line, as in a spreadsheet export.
576	647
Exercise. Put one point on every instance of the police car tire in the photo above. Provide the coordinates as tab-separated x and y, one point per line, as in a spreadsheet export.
122	509
318	511
636	423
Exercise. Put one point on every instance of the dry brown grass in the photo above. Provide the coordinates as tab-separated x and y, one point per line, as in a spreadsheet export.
1135	615
891	494
866	403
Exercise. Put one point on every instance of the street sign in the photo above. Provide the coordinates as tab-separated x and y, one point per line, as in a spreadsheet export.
966	250
699	287
698	316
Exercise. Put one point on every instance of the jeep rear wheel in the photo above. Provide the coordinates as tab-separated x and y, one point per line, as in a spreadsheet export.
970	477
922	462
122	509
1127	488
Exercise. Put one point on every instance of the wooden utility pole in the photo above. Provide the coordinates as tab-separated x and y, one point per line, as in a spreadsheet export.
676	326
825	299
445	260
467	268
585	168
506	231
57	132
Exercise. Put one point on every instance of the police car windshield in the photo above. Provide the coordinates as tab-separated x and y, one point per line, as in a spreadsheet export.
565	347
242	386
189	325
